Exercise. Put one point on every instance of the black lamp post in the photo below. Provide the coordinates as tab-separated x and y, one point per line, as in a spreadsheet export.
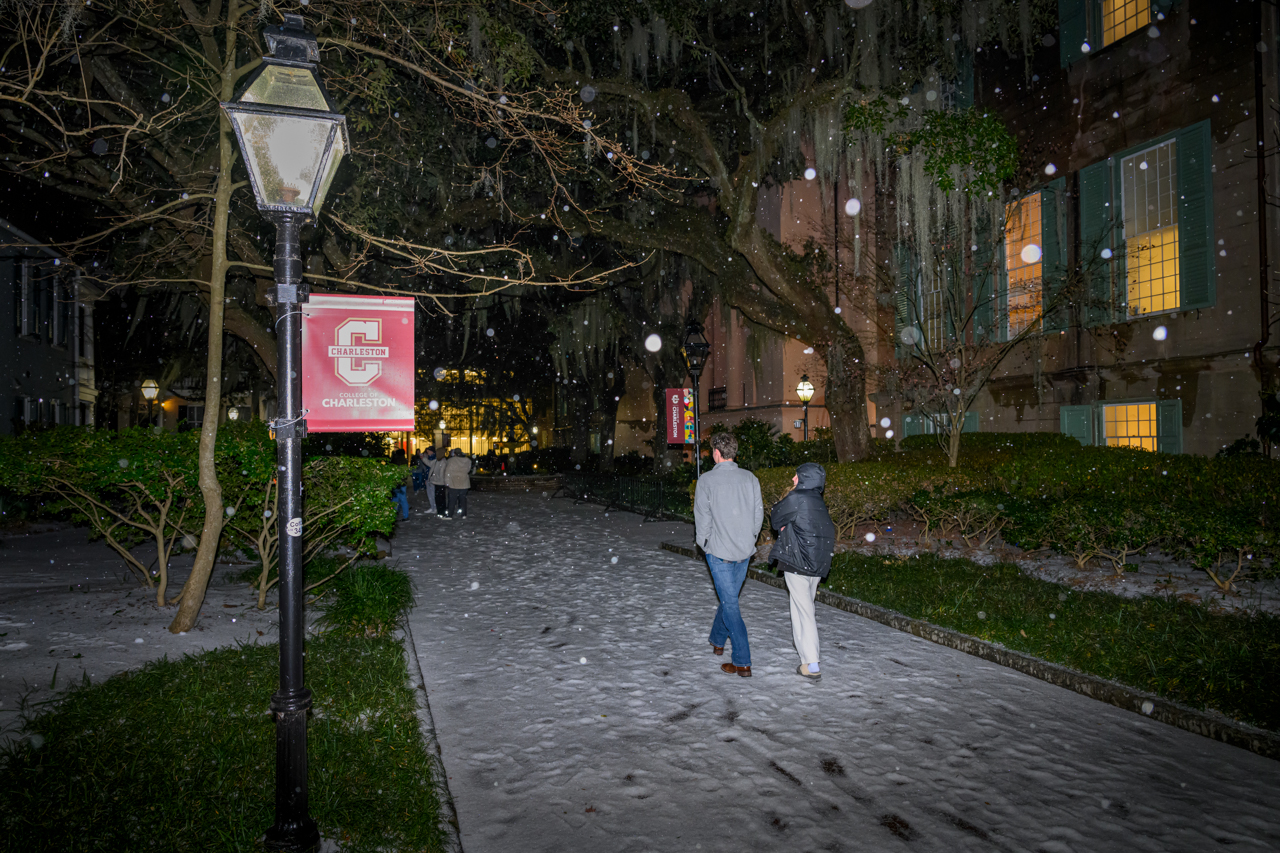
292	141
696	350
805	392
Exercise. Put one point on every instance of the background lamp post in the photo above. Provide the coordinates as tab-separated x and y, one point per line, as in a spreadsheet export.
292	141
150	390
696	350
233	414
805	392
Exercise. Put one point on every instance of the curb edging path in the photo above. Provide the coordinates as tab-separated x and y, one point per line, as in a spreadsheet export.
1203	723
450	826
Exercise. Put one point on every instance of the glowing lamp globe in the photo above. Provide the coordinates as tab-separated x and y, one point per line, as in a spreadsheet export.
150	390
290	135
805	389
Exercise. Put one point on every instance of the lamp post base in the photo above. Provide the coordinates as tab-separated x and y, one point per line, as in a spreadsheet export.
294	830
298	837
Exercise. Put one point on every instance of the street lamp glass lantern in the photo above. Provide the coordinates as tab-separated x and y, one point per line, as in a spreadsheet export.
696	348
233	414
289	132
150	390
805	389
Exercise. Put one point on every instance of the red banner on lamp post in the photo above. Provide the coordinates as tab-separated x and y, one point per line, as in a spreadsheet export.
357	363
679	414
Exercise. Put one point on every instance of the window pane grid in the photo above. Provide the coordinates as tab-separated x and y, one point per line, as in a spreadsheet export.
1122	17
1022	231
1131	425
1149	184
931	310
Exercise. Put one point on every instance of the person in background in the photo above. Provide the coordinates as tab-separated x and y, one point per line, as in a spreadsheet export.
426	462
727	513
415	470
399	495
436	481
457	474
803	552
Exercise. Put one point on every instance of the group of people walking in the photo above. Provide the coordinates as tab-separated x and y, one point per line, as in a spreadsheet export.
728	511
447	480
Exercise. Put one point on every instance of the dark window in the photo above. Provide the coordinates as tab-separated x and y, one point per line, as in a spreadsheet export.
717	399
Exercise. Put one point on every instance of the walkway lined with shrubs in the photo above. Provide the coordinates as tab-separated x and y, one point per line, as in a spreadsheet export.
578	708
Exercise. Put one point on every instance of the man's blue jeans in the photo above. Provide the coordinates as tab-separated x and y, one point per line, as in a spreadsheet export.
729	578
401	500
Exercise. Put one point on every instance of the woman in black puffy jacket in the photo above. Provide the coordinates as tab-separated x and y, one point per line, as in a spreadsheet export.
803	552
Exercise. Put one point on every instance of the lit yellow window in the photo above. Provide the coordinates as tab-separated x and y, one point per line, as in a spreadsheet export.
1122	17
1022	258
1150	197
1132	425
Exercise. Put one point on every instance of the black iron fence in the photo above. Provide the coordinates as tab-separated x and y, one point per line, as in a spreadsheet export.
652	498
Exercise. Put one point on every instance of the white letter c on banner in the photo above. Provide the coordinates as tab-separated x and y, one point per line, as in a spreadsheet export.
370	332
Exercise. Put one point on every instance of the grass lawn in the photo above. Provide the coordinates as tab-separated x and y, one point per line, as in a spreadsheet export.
1181	651
180	756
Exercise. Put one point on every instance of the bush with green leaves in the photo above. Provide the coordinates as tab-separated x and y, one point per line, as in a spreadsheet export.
141	484
345	500
128	486
1046	491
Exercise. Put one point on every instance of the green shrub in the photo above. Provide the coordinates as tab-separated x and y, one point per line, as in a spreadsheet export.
129	487
1046	491
141	484
367	600
1017	442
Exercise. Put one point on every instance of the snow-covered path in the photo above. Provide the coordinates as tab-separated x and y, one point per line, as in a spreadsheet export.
647	746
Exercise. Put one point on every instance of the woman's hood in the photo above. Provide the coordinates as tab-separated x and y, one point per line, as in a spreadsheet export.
812	476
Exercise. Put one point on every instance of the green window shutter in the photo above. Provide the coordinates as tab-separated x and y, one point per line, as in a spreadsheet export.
1077	422
988	262
1073	29
911	426
970	422
1169	426
984	297
1053	257
903	298
1195	217
1098	220
964	97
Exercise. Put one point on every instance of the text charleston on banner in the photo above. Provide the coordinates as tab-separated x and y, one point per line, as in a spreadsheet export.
679	411
357	363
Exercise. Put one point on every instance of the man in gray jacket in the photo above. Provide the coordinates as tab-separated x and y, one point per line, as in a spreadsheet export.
727	514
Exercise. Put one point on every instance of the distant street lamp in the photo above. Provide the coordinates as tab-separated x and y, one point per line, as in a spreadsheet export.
150	390
805	392
292	141
233	413
696	350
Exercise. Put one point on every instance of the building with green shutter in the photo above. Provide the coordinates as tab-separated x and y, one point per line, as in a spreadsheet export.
1133	277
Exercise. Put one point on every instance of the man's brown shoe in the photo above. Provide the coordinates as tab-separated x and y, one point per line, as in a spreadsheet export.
744	671
717	650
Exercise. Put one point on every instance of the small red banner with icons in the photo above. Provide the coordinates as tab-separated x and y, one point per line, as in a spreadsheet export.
679	413
357	363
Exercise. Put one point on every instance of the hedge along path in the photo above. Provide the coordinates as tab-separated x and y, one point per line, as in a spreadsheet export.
1260	741
138	483
1045	491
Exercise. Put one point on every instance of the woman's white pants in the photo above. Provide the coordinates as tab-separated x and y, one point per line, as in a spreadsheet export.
804	627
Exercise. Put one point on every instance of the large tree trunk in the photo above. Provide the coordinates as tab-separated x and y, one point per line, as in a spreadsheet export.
192	595
580	430
846	395
609	416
